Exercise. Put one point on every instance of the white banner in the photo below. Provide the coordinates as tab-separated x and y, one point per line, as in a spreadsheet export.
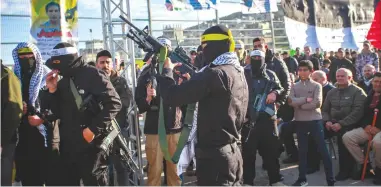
329	39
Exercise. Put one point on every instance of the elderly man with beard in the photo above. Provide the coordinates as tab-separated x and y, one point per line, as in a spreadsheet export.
104	62
260	129
221	92
342	110
81	131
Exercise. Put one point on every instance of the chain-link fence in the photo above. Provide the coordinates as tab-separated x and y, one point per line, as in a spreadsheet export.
187	26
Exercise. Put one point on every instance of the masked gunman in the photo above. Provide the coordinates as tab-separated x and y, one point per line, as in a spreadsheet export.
81	130
221	92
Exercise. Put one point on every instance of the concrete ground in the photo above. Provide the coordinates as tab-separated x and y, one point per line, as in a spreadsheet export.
289	171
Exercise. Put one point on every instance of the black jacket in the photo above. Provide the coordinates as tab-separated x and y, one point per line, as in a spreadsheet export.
292	64
314	60
256	84
326	88
369	112
172	115
340	63
281	71
89	81
222	96
366	88
125	94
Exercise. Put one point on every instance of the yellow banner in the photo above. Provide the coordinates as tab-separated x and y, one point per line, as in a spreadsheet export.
53	21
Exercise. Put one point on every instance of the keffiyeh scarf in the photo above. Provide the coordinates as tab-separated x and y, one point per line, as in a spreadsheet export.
188	153
37	82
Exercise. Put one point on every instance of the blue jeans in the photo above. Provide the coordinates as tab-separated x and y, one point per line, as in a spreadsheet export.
316	131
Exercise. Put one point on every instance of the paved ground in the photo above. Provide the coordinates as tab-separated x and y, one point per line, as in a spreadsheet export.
290	173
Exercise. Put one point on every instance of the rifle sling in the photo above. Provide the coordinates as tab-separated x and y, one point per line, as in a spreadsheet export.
188	121
77	97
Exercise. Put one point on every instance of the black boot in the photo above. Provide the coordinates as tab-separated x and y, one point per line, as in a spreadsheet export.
377	177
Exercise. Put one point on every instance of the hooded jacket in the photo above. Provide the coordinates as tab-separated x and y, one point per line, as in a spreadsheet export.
88	81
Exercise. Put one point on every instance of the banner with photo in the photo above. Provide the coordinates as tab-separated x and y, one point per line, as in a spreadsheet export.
53	21
328	24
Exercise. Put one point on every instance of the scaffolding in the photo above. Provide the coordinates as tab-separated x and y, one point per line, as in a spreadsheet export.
111	42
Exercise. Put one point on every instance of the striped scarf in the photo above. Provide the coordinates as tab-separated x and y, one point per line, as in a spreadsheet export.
37	81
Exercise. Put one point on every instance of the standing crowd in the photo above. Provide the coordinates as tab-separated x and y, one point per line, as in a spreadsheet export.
55	114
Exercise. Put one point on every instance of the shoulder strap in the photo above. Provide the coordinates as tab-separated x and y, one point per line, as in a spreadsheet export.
77	97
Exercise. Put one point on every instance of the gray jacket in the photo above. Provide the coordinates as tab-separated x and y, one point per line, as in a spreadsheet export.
344	105
302	90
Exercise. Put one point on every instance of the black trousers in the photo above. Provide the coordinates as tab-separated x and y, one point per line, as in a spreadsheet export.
91	166
219	166
31	165
262	138
346	161
7	156
287	137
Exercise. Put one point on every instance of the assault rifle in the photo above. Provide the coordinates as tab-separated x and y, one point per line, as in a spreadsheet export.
259	106
152	46
114	135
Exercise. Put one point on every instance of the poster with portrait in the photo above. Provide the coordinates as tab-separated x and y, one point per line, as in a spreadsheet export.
53	21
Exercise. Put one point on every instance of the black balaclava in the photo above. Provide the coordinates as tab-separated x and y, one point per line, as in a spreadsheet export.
257	61
218	40
27	65
64	59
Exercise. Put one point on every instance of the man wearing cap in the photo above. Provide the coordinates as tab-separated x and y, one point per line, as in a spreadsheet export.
240	51
104	62
259	130
291	63
277	66
81	132
221	92
367	56
148	101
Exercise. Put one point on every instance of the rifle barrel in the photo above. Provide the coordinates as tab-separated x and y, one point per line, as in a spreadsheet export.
129	23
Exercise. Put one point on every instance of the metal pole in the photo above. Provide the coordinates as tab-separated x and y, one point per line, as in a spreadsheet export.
134	84
149	17
92	44
110	32
272	30
217	17
104	29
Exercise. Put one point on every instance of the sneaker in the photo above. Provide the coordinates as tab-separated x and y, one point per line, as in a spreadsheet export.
290	160
300	182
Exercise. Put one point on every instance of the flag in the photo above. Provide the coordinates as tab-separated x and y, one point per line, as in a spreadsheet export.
259	6
374	33
180	5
